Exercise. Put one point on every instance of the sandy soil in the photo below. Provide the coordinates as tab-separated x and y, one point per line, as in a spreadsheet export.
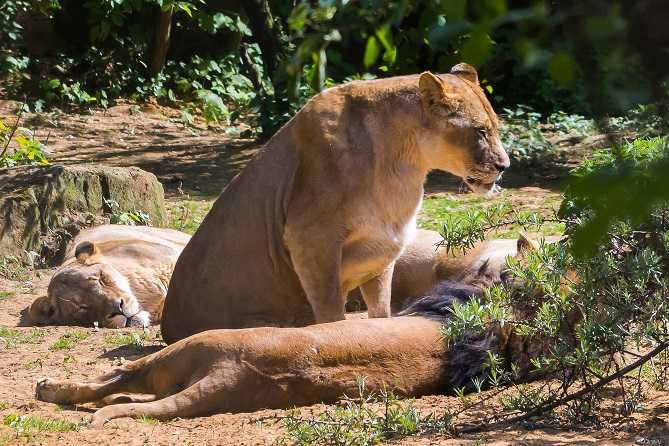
197	162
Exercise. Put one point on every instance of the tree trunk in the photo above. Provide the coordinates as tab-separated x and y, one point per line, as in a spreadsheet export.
161	42
267	33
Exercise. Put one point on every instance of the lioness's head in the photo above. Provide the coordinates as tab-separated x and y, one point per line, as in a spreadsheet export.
462	128
89	291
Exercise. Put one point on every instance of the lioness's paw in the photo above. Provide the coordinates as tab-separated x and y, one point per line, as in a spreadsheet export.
141	319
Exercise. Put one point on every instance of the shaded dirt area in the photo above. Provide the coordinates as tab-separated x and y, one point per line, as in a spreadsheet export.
195	163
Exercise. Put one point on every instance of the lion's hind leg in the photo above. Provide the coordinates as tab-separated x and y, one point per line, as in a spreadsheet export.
119	381
201	398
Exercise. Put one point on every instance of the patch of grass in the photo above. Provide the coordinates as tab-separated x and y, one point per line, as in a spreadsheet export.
11	337
6	294
39	362
186	216
132	339
366	419
435	211
13	269
30	427
147	420
69	340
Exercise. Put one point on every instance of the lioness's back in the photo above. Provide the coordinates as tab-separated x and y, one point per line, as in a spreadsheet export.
329	202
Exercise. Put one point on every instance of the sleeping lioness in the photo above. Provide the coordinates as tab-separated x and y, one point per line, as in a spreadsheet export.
329	203
424	263
114	275
270	367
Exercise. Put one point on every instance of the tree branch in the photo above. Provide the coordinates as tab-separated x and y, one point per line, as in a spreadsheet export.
545	408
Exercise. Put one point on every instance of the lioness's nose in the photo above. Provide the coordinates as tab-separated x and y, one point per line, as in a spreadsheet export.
501	167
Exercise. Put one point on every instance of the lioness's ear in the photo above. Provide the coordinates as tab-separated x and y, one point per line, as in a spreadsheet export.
42	310
466	71
433	93
85	250
526	244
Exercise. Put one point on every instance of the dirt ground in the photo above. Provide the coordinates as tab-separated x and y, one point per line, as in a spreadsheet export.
195	163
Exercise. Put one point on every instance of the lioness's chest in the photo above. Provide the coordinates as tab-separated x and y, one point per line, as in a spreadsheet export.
372	247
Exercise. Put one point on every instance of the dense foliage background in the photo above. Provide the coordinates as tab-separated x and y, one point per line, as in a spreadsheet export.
226	58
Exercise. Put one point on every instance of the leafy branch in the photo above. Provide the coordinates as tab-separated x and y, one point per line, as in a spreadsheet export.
550	405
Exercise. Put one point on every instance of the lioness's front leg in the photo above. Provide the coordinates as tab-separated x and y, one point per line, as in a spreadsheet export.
317	263
377	293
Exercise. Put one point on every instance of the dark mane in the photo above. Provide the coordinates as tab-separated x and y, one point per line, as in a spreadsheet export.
439	301
468	358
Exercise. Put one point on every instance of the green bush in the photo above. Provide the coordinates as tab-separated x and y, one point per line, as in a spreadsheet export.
22	149
602	315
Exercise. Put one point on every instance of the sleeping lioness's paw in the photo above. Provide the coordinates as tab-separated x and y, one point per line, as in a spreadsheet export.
141	319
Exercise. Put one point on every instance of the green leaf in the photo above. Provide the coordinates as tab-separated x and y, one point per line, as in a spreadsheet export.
477	48
372	51
104	30
562	68
95	33
186	116
298	17
117	19
23	142
317	72
185	7
242	28
213	108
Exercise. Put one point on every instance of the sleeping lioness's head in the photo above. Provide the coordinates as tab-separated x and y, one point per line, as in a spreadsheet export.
456	107
88	291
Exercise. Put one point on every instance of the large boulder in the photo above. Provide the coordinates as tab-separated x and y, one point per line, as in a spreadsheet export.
42	202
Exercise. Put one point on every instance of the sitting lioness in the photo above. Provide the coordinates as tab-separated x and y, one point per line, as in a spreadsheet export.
269	367
329	202
114	275
424	263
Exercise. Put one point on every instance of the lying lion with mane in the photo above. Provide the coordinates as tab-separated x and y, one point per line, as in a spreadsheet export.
115	276
330	202
426	262
268	367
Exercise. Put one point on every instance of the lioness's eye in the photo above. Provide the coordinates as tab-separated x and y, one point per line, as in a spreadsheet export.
83	307
481	132
103	280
